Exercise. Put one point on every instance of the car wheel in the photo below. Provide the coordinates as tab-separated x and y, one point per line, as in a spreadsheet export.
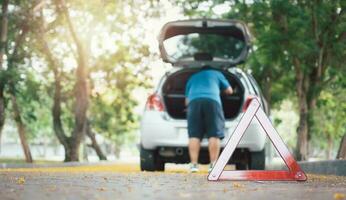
159	164
257	160
149	161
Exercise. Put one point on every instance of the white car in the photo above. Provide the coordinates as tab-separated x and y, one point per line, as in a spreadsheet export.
189	45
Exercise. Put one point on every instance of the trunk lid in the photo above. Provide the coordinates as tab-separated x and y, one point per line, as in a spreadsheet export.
199	42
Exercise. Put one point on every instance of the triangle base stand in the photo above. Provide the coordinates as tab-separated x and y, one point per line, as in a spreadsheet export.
294	172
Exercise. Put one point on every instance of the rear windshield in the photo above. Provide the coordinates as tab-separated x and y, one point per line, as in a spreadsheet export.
210	45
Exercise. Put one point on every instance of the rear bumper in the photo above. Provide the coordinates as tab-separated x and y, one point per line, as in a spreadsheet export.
158	131
181	155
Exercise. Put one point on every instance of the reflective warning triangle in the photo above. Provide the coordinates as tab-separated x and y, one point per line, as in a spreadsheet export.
294	172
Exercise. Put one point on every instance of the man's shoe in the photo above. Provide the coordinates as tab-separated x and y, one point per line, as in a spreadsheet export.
211	165
193	168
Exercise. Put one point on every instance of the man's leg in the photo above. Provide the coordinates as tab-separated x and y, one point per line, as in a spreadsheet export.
194	147
214	149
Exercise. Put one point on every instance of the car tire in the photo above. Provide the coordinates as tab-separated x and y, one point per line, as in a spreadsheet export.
159	164
257	160
149	161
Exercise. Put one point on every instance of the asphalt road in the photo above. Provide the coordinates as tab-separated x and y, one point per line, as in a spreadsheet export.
108	183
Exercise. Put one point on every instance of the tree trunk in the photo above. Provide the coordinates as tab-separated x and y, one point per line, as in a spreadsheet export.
57	123
2	110
70	144
85	152
74	153
94	143
117	150
302	132
12	59
56	109
3	33
80	90
330	147
303	128
3	41
342	149
21	129
68	157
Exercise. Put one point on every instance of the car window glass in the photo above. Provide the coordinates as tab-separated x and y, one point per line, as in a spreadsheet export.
211	45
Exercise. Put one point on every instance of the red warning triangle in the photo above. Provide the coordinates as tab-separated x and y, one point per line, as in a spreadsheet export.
294	172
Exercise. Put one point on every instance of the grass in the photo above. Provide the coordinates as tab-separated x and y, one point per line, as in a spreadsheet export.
116	168
79	169
22	161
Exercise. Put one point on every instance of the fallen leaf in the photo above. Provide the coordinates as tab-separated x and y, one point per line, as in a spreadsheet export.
238	185
339	196
21	180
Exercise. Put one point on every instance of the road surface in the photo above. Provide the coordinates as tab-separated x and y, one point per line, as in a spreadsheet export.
126	182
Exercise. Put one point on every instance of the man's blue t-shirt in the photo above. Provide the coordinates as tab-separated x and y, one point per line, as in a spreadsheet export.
206	84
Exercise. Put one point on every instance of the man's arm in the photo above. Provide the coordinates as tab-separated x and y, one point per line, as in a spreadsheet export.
186	101
224	85
228	91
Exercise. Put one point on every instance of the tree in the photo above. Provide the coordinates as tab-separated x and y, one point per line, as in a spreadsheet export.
342	149
64	77
81	87
315	54
329	119
14	49
311	51
117	68
71	144
91	134
3	41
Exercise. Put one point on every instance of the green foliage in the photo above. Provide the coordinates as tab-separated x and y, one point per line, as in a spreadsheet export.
111	32
116	64
330	118
287	34
18	70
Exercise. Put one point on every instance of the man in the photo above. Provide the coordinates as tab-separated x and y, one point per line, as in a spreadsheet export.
205	113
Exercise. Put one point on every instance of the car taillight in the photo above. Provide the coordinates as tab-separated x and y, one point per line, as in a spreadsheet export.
154	103
248	101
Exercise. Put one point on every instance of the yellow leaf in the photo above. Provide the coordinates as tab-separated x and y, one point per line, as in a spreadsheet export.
21	180
339	196
238	185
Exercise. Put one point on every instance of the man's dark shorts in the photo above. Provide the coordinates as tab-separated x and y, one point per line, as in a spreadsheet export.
205	117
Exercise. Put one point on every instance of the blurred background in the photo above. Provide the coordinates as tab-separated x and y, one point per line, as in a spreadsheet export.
75	74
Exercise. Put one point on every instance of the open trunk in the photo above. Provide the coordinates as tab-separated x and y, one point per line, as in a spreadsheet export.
173	93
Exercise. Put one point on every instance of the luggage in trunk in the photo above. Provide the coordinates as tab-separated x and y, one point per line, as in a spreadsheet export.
173	92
